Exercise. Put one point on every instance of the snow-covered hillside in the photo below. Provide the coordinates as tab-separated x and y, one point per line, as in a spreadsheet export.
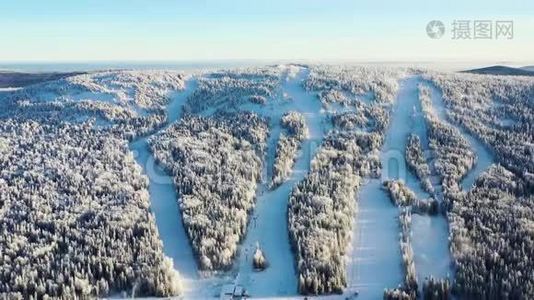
274	181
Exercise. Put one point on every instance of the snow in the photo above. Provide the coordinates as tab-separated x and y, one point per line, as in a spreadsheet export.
429	233
430	236
404	120
484	157
375	261
163	198
86	95
507	122
9	89
174	109
268	226
375	258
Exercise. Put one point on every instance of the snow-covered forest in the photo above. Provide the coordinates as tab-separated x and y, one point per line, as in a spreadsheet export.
322	206
288	145
216	163
416	161
320	215
453	155
74	211
341	84
499	111
491	231
407	202
225	90
491	224
74	216
127	103
77	214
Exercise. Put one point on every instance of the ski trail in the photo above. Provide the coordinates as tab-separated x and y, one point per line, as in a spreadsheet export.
484	156
268	225
163	196
375	259
429	233
432	256
430	243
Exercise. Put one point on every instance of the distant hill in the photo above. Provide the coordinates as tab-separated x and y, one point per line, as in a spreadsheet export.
528	68
16	79
502	70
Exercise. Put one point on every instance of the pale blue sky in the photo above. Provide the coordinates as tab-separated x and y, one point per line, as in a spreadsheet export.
376	30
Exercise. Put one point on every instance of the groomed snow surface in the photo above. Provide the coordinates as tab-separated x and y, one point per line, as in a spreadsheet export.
268	226
163	197
375	259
